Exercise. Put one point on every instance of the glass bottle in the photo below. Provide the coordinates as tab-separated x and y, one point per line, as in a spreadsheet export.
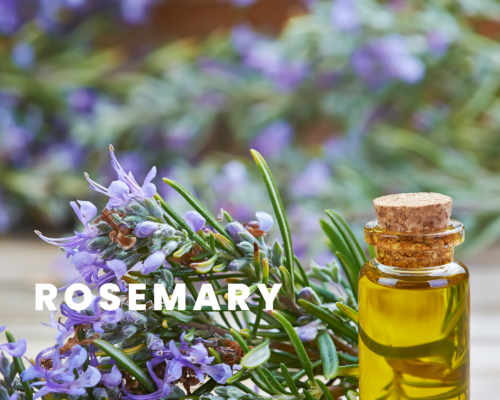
414	316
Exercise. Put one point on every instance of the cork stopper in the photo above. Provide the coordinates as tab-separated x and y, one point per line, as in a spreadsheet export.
413	212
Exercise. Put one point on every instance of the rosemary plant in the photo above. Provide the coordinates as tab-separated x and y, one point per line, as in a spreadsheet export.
305	348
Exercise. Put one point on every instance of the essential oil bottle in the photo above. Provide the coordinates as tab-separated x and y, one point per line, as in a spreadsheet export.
414	303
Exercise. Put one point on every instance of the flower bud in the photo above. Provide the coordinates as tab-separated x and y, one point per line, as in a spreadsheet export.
195	220
133	317
167	230
246	248
129	330
234	228
153	207
153	262
145	229
154	342
98	243
309	295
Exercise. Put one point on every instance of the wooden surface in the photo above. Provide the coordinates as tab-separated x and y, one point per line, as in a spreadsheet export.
25	263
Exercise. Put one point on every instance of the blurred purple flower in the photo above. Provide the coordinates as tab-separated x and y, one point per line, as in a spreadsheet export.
82	100
312	180
23	54
387	58
136	11
344	16
273	139
9	16
195	220
244	37
5	217
242	3
438	42
211	100
265	57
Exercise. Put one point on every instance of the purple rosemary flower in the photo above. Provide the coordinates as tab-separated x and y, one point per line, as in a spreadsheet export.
125	188
16	349
196	357
113	379
307	333
61	377
195	220
273	139
62	332
265	220
99	318
85	213
309	295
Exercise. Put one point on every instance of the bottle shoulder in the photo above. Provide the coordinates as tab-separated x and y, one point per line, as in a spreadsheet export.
417	279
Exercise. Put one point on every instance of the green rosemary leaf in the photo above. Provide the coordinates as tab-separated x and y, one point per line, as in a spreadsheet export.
327	317
348	312
325	390
237	336
308	395
243	388
302	271
274	381
207	387
329	356
299	347
257	356
195	203
350	271
262	303
302	372
259	378
371	251
236	377
127	364
350	239
18	362
336	241
289	380
352	395
279	211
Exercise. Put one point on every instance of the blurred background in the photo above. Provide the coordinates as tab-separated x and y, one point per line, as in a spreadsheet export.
347	100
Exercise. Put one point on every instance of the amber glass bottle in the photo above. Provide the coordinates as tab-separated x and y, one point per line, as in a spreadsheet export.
414	305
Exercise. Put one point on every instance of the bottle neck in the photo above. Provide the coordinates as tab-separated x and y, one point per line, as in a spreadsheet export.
414	250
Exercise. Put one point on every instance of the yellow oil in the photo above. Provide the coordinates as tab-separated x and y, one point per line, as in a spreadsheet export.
414	332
